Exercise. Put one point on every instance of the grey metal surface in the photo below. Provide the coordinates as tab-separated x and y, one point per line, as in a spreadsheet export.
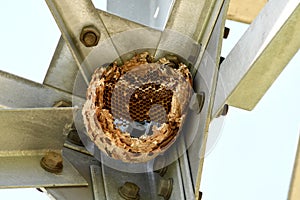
25	171
17	92
260	55
62	70
26	135
209	71
190	17
147	182
33	131
150	13
97	182
174	172
71	17
82	163
185	173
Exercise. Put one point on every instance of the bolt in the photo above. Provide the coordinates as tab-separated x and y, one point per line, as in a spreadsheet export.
129	191
224	111
221	60
165	188
52	162
89	36
226	32
197	102
162	171
73	136
200	195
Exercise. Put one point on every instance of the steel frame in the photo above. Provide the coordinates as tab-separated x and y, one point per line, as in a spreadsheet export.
203	22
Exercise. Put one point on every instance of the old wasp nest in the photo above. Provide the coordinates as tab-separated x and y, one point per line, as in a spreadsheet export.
135	111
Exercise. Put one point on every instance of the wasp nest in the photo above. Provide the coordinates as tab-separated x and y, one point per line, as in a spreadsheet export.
135	111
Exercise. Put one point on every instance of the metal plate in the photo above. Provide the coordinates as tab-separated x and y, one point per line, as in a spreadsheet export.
82	163
17	92
260	55
33	131
26	135
209	71
25	171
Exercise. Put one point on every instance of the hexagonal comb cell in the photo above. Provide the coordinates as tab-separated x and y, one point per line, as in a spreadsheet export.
140	107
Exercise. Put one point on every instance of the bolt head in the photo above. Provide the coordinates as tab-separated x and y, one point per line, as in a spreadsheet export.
129	191
165	188
90	36
197	102
52	162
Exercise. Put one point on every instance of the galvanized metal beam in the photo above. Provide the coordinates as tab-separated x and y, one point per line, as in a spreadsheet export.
149	13
26	136
63	68
33	129
259	56
82	163
82	30
17	92
294	193
200	30
190	17
209	71
245	10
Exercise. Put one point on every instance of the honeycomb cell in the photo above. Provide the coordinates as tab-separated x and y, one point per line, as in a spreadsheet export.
136	102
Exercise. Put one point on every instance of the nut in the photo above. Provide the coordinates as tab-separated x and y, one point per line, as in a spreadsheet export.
162	171
129	191
224	111
221	60
200	195
89	36
165	188
197	102
226	32
52	162
74	138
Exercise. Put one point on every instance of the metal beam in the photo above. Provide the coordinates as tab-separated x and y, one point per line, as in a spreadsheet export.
209	71
190	17
294	193
244	10
26	136
259	56
17	92
76	18
63	68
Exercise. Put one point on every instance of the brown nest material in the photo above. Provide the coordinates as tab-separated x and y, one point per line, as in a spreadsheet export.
140	96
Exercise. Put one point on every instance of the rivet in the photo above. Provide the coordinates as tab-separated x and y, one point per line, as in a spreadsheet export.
165	188
52	162
129	191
